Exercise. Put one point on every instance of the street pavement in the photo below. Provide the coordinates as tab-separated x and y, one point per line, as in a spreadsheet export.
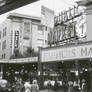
46	90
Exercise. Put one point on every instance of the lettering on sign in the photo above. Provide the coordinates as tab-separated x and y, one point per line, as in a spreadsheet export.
66	53
62	33
67	15
16	40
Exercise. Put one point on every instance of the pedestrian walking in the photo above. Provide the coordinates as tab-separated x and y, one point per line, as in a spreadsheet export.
34	86
56	86
27	86
49	85
18	85
70	87
84	87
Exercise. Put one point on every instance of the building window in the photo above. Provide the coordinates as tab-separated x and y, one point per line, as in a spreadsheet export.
40	43
0	34
26	31
27	27
46	42
4	45
46	28
4	31
40	29
3	56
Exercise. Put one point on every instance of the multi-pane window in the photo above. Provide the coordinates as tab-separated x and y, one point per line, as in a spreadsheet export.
26	30
4	45
4	31
40	29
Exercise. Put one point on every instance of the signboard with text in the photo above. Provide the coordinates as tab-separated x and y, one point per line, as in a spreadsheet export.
62	33
68	27
66	16
16	39
62	53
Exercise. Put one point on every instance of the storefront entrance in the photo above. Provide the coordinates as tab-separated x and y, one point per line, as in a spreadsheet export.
66	71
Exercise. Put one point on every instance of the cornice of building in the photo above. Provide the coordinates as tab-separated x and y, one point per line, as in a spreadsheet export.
17	15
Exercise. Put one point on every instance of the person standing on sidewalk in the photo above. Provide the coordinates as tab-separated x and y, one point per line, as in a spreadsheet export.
34	86
56	85
49	85
70	87
27	86
84	87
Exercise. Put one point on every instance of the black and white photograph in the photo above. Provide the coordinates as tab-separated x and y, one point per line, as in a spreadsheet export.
45	45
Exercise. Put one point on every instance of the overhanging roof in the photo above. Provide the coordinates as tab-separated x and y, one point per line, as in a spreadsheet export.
8	5
20	60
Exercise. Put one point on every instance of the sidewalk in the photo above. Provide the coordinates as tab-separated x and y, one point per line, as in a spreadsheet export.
46	90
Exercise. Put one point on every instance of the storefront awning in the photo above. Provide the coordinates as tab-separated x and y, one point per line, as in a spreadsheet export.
21	60
8	5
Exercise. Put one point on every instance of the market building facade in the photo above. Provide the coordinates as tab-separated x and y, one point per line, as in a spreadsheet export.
69	56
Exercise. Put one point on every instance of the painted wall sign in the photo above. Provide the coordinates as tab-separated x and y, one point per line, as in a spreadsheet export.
66	53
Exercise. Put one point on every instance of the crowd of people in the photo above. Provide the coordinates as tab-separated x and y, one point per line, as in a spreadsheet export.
19	86
26	86
71	86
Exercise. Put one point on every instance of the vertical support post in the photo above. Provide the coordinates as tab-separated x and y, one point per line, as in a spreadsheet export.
40	71
40	75
91	76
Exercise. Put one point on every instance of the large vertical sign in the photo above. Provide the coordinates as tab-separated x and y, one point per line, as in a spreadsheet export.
47	17
16	39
